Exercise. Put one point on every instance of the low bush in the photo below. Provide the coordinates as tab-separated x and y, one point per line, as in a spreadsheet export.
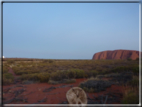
8	76
67	74
10	61
53	82
41	77
58	76
95	85
7	79
67	81
135	70
5	69
129	59
47	61
79	73
71	74
91	73
90	90
130	97
135	81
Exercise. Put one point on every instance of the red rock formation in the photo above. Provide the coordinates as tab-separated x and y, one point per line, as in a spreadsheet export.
117	54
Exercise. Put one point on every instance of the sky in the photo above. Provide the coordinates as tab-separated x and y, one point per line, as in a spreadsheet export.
68	30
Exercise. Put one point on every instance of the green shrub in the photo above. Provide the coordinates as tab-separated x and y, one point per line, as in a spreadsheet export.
91	90
10	61
41	77
134	81
79	73
135	70
68	81
8	76
129	59
5	69
131	98
91	73
7	79
58	75
53	82
71	74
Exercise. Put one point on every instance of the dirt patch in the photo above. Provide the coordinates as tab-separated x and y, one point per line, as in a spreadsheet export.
44	93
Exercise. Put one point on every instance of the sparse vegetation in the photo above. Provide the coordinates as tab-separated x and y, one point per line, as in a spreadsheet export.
131	96
95	85
7	78
67	71
40	77
67	81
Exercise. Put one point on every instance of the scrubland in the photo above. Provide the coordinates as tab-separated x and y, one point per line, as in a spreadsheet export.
103	73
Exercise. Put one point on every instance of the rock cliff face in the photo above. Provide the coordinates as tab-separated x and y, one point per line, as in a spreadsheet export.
117	54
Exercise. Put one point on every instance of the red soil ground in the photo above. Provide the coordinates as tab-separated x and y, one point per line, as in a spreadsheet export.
34	93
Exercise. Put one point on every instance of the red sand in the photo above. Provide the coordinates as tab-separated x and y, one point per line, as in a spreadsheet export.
33	93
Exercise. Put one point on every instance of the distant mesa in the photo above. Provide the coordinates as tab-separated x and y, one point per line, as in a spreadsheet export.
117	54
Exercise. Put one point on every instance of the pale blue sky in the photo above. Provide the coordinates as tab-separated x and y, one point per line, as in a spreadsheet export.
68	30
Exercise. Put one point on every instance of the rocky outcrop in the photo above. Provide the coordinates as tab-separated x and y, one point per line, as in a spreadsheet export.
117	54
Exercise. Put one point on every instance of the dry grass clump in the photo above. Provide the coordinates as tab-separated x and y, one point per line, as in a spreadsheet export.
86	85
131	95
131	91
41	77
5	69
10	61
67	74
67	81
91	73
134	82
7	78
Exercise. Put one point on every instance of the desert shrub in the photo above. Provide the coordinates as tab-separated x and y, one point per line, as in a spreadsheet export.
135	70
95	84
119	69
48	60
90	90
10	61
41	77
134	81
137	59
53	82
91	73
130	97
67	81
7	81
129	59
79	73
7	78
45	61
25	70
70	74
58	75
5	69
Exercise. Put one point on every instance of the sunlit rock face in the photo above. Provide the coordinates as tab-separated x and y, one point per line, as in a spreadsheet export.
117	54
